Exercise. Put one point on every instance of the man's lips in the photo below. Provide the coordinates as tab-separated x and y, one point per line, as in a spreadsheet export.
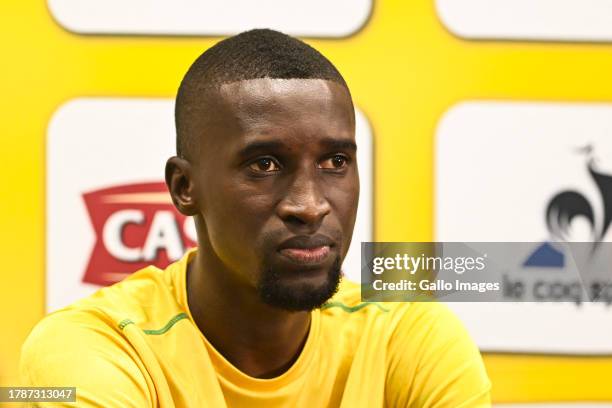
307	255
303	249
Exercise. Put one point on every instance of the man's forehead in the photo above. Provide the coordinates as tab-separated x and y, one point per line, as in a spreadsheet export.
269	94
289	110
275	85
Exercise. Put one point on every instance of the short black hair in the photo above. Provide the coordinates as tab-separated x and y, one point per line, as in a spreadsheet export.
259	53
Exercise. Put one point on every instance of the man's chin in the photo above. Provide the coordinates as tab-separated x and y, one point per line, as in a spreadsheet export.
303	293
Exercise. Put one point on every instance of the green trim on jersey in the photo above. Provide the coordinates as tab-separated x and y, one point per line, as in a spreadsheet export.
163	330
352	309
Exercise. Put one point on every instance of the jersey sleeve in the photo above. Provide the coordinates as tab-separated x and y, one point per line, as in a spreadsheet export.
433	362
69	351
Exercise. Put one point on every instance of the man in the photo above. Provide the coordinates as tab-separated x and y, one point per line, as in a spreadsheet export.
266	165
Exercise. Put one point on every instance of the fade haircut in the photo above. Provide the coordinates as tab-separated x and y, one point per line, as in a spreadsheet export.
260	53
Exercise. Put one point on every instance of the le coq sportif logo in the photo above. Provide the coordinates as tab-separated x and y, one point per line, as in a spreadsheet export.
565	206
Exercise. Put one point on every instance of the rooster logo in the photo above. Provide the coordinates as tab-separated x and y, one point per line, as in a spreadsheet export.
566	206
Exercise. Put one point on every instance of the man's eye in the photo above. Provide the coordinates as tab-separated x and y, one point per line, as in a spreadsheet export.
337	161
265	164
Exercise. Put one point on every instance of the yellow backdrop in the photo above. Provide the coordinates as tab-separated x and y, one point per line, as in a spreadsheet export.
404	70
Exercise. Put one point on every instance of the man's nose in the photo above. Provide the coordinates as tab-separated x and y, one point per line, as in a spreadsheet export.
305	203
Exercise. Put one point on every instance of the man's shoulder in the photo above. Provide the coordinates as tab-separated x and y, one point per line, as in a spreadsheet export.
431	346
89	334
86	349
145	297
69	329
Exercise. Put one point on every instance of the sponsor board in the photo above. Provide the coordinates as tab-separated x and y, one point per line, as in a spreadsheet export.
108	209
547	20
135	225
314	18
529	172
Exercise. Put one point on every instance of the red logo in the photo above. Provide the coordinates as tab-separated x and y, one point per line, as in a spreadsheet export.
136	225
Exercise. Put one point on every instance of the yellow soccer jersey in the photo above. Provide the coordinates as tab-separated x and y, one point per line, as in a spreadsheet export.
135	344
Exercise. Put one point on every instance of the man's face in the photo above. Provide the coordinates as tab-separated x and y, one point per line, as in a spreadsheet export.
278	186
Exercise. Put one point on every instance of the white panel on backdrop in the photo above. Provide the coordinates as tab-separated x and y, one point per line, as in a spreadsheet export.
557	20
314	18
498	166
104	153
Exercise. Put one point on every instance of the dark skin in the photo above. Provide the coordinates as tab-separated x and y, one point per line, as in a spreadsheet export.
276	160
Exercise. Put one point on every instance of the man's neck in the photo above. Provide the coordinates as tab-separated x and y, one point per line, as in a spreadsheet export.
258	339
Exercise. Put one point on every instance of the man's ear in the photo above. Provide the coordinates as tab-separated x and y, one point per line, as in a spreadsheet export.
181	185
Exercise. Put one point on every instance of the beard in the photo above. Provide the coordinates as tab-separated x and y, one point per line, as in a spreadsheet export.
275	291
